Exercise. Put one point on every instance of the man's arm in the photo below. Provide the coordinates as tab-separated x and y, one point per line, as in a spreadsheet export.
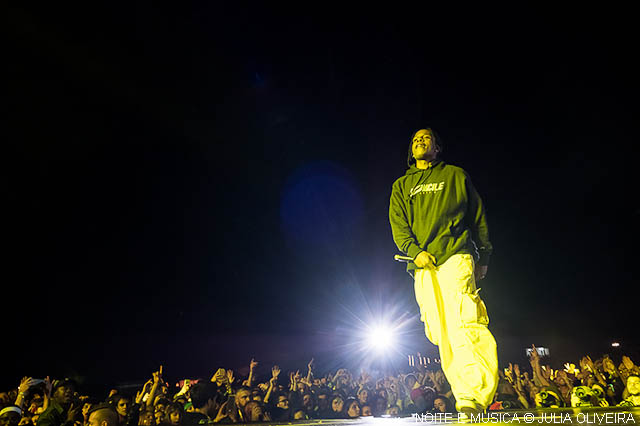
477	222
404	238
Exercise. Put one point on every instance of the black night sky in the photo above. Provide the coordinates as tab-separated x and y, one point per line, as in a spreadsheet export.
197	185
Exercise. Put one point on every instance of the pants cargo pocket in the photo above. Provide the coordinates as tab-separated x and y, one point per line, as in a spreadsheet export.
473	311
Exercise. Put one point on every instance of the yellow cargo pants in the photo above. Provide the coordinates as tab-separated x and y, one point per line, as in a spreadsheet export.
455	319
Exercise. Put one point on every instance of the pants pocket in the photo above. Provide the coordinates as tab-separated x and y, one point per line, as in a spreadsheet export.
473	311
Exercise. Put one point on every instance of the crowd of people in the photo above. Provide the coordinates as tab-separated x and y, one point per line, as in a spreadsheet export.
224	398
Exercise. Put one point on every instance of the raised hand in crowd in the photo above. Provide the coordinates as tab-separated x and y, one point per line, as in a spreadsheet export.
25	384
534	360
609	367
146	388
230	378
275	372
629	364
593	369
157	381
252	368
629	367
219	377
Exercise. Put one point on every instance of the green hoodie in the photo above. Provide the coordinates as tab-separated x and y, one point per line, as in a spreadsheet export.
439	211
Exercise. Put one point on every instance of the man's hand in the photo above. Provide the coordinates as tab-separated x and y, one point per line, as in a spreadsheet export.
516	370
481	272
425	260
508	373
275	371
609	366
25	384
222	412
48	386
219	376
562	377
253	364
74	413
534	358
546	372
627	362
157	376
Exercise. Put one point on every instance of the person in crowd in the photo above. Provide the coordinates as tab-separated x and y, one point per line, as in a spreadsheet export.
254	412
145	418
159	409
204	397
174	413
378	405
367	411
103	415
421	396
363	396
337	406
633	391
122	405
282	410
351	408
62	406
442	404
10	415
393	411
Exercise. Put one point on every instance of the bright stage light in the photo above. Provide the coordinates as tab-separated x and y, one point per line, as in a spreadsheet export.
615	344
380	338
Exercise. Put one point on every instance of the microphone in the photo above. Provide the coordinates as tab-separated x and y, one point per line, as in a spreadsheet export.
400	258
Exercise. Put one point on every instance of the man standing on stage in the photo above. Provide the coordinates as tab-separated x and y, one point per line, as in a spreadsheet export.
437	218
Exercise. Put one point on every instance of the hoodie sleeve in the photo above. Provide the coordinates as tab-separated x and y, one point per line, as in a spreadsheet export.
402	234
477	222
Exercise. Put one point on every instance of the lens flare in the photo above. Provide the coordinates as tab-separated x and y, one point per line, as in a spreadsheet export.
380	338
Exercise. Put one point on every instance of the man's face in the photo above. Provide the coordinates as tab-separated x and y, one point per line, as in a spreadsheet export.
242	397
354	410
123	407
256	413
146	419
337	404
63	394
307	401
174	418
633	385
283	402
423	147
439	405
